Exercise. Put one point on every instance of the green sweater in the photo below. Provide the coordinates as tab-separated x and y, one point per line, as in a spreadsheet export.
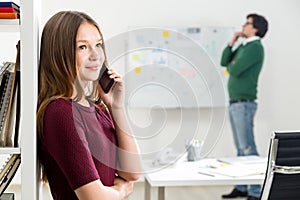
244	65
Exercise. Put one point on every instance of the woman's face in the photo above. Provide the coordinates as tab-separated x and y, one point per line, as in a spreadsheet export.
89	52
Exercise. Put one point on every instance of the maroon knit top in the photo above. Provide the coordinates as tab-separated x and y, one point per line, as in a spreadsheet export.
78	146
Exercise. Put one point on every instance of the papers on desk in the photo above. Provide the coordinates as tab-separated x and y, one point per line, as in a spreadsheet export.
243	160
235	171
238	166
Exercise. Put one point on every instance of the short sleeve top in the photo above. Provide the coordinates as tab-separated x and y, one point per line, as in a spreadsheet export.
78	146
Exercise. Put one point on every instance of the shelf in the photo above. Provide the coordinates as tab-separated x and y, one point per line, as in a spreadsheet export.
28	32
10	150
9	22
10	25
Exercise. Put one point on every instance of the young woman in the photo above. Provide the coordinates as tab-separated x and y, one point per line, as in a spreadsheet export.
85	146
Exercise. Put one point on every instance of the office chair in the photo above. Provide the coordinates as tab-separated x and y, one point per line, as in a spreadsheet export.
282	179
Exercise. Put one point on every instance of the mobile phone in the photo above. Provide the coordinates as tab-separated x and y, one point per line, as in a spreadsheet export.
105	82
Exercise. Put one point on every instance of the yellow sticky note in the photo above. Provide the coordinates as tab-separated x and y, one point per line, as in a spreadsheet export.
223	164
165	34
226	72
135	57
137	70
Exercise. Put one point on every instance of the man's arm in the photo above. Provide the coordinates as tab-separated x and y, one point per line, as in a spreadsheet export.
251	55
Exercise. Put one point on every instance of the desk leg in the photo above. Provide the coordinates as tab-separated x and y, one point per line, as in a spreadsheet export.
161	193
147	190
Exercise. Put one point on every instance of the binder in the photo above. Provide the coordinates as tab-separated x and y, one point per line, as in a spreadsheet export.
12	122
10	104
8	171
18	98
7	81
5	67
7	165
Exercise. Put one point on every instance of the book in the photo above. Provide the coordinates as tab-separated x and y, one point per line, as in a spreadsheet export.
10	104
5	89
11	94
9	15
7	165
8	171
18	98
9	22
4	67
2	91
9	4
12	121
7	196
11	135
8	9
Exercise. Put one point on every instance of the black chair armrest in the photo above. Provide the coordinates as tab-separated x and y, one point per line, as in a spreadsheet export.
286	169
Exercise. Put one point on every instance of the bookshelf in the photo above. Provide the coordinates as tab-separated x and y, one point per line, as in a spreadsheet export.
10	150
28	27
9	26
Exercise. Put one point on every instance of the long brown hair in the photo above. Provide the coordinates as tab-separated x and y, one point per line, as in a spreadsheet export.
57	74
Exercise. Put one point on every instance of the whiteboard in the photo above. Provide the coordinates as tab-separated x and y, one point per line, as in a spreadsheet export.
176	67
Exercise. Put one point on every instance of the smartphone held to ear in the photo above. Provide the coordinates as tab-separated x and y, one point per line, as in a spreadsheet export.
105	82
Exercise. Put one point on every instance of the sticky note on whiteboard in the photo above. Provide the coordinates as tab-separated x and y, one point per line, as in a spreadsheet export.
135	57
165	34
137	70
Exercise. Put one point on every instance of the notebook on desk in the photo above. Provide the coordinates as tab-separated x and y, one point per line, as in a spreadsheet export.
241	166
236	171
243	160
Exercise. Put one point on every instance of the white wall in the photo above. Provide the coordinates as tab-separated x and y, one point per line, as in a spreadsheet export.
278	92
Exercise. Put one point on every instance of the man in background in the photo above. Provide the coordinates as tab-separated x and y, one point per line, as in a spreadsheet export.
244	65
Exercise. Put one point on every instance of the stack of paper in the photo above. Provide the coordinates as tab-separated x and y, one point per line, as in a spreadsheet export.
240	166
235	171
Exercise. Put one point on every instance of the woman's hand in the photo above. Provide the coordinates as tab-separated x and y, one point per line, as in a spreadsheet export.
125	188
114	98
95	190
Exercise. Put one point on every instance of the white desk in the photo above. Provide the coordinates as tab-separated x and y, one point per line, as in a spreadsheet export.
187	174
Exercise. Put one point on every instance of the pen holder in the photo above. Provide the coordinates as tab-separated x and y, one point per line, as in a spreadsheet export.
193	150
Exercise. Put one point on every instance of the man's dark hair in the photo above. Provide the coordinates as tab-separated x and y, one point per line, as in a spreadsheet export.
260	23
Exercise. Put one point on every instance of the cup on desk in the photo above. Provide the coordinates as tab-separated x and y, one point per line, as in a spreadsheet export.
194	150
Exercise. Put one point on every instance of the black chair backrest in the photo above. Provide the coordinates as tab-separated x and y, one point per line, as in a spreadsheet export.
286	186
288	150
